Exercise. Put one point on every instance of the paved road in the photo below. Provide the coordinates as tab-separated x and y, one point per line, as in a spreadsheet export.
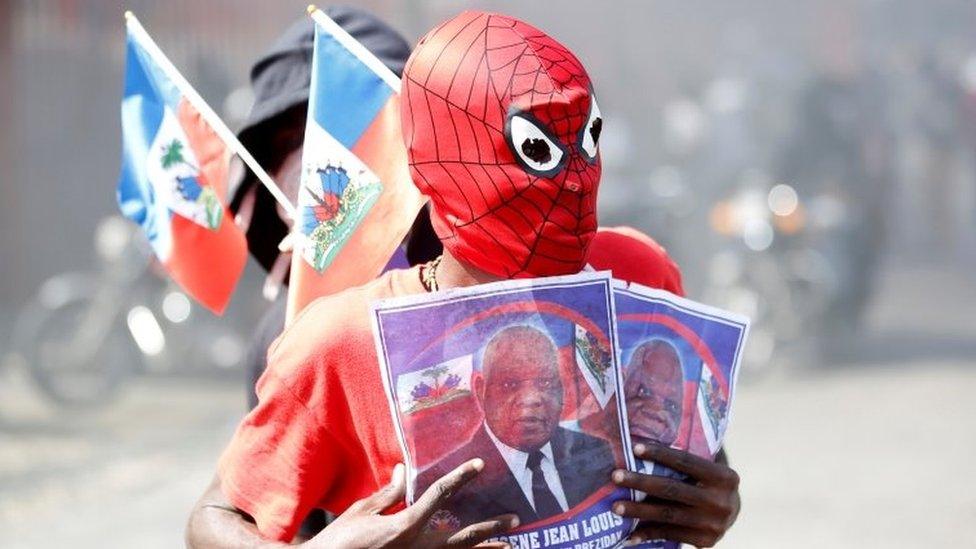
872	452
875	451
125	477
869	458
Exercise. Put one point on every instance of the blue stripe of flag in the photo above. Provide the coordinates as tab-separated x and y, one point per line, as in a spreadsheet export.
347	94
147	93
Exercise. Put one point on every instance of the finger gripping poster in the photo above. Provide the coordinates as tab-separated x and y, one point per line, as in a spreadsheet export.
524	375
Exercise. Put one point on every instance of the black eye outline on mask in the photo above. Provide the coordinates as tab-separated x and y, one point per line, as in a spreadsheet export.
540	136
586	132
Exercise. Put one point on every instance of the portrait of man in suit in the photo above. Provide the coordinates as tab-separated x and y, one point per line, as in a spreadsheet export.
533	467
653	387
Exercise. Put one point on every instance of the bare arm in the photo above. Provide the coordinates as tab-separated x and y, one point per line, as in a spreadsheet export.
216	524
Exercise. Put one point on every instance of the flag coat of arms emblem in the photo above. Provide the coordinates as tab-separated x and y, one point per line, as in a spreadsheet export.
594	362
174	181
357	201
712	408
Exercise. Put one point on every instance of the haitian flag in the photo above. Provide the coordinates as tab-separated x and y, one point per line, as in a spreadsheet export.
174	177
356	202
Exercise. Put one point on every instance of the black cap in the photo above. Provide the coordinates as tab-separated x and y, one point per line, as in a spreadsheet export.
281	78
280	81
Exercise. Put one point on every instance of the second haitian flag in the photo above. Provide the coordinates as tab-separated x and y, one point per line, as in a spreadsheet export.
356	202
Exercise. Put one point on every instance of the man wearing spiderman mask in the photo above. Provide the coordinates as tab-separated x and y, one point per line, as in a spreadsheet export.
502	131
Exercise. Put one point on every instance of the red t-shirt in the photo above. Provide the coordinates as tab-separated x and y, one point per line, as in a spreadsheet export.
322	434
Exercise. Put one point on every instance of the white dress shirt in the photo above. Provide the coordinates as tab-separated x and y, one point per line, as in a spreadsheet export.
517	461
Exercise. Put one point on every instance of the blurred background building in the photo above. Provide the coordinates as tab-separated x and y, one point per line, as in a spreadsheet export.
811	164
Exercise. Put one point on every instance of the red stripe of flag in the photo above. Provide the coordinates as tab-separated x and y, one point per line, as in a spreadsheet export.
207	264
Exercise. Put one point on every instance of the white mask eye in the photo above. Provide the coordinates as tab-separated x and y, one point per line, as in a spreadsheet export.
590	138
536	149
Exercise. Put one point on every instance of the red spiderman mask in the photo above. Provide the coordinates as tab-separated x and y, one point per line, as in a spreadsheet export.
501	130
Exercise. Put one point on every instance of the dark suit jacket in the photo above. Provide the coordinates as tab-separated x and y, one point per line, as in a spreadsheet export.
584	464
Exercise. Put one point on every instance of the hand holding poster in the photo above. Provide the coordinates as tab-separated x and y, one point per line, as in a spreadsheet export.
521	374
680	361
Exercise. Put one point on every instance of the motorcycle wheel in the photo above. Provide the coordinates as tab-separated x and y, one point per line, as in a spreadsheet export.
45	337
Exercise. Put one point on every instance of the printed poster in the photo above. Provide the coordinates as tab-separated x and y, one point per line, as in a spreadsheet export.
679	360
522	374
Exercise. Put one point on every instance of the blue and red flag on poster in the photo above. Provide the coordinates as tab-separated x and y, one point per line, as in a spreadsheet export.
174	176
357	201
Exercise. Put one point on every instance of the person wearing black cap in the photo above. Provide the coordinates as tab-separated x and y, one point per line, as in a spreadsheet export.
273	133
275	128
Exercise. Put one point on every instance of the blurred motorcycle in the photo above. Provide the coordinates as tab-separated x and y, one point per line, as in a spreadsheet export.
84	333
778	265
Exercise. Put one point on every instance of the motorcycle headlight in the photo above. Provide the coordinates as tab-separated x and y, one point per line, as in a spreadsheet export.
145	330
